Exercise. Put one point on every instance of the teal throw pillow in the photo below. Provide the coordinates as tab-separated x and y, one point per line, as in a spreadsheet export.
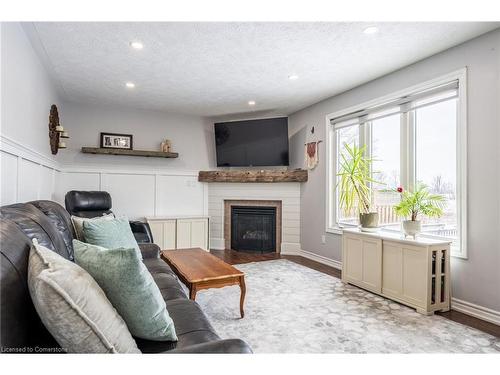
111	234
130	288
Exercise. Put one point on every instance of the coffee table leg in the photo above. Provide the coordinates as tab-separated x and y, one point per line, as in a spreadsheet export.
192	292
242	297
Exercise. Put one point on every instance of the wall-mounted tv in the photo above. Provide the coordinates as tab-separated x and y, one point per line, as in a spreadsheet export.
252	143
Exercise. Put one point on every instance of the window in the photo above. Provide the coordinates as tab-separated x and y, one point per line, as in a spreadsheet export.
415	136
436	155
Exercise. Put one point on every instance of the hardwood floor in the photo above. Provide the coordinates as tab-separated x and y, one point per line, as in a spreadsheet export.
236	257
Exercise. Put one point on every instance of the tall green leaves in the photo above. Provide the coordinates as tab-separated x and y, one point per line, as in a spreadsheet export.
420	202
354	179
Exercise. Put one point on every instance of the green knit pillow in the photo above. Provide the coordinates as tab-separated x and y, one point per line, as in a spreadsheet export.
130	288
111	234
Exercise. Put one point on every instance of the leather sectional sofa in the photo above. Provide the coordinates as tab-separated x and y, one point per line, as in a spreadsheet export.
21	329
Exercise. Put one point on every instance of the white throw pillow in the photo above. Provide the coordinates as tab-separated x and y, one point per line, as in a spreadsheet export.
73	307
78	223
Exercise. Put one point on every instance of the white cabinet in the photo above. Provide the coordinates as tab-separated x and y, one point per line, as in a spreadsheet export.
413	272
180	232
363	261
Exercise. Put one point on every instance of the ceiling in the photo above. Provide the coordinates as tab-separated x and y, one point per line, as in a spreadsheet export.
214	69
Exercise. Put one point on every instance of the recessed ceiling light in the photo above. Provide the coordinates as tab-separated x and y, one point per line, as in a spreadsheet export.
251	102
130	85
293	77
136	45
371	30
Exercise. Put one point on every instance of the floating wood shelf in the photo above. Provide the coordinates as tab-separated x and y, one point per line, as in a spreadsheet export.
298	175
119	151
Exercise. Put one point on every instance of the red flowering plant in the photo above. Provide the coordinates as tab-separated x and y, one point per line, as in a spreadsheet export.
418	202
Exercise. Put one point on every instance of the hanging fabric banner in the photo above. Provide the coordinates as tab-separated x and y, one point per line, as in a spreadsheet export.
311	155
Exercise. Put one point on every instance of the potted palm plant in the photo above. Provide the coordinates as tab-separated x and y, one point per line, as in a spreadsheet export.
354	184
418	202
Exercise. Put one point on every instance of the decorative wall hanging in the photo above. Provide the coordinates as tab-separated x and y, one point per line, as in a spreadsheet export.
56	131
115	140
311	154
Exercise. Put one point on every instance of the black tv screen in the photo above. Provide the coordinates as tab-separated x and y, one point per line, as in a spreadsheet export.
252	142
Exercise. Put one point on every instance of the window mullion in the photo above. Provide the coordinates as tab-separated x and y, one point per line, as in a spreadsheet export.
407	148
412	151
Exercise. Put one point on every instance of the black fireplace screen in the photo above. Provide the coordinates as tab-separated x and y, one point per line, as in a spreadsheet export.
253	229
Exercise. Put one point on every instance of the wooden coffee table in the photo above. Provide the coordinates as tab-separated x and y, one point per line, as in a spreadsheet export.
199	270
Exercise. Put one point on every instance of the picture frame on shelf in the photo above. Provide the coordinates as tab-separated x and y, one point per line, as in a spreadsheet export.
117	141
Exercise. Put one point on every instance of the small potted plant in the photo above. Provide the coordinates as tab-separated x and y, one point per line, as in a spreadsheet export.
355	179
418	202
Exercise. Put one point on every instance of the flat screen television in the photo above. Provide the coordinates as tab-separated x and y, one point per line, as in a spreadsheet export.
252	143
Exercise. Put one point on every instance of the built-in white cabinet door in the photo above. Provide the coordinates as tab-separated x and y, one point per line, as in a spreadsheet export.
415	275
157	232
353	255
372	264
405	272
192	233
363	261
169	234
186	233
183	234
199	233
392	269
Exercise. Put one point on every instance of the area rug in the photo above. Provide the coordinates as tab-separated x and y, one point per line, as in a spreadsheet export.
290	308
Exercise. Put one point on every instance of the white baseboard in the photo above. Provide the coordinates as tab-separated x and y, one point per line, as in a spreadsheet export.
217	243
476	311
289	248
321	259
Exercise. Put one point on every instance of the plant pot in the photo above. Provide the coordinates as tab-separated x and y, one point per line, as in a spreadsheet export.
368	221
412	228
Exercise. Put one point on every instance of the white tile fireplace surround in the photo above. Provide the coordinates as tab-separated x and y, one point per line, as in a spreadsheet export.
286	192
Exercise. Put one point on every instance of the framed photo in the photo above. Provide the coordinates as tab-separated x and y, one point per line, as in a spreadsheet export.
114	140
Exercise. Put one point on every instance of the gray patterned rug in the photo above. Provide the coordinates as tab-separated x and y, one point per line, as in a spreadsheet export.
294	309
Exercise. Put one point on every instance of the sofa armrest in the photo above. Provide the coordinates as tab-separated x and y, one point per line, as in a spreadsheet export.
149	250
142	231
235	346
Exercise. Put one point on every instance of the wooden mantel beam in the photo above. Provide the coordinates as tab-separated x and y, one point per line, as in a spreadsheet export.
298	175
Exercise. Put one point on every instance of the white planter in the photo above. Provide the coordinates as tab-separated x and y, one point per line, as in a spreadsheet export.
412	228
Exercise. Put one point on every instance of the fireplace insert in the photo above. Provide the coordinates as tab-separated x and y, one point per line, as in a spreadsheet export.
253	229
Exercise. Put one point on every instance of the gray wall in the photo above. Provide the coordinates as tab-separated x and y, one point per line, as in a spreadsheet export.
27	91
476	279
191	136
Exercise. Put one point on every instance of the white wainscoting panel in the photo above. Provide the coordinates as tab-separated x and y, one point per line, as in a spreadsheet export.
133	195
29	180
26	174
179	195
47	183
66	181
137	193
9	178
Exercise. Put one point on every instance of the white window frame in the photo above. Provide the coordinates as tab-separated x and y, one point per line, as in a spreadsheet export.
407	158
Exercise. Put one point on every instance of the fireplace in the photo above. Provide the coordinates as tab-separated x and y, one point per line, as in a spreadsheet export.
252	225
253	229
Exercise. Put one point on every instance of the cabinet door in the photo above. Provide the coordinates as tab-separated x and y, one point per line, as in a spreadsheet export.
392	266
415	275
157	231
169	235
352	268
199	233
183	234
372	264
